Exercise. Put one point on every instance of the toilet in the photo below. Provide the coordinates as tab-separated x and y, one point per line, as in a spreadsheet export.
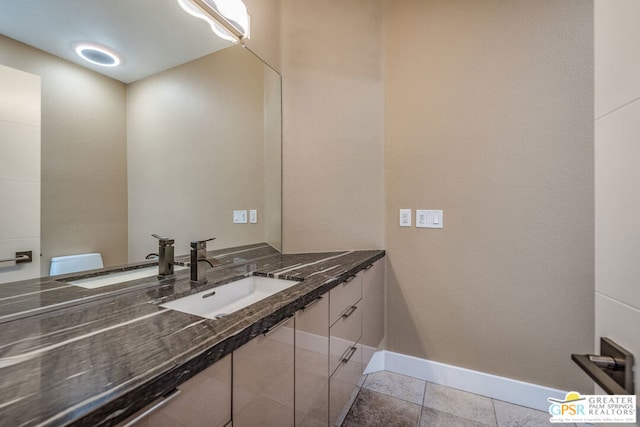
74	263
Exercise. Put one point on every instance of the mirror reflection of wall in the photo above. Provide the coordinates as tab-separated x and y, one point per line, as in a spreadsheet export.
191	161
19	172
196	151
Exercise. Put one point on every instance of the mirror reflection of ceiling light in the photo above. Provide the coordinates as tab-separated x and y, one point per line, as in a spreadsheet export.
228	19
98	55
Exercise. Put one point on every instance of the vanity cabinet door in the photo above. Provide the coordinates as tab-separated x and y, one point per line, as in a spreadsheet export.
312	363
202	401
344	384
345	350
263	379
373	309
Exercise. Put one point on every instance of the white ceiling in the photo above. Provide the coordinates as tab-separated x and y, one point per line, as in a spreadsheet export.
150	35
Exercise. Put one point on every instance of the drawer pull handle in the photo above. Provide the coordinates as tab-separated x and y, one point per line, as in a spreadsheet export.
351	351
348	279
368	267
311	304
349	312
165	399
273	328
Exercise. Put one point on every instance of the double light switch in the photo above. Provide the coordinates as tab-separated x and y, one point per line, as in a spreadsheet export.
240	217
424	218
428	219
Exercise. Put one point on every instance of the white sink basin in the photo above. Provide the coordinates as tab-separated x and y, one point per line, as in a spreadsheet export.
115	278
222	300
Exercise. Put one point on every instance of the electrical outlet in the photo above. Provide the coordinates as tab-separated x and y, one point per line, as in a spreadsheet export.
253	216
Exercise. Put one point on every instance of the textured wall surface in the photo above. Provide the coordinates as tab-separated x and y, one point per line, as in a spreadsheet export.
617	131
265	30
489	116
333	119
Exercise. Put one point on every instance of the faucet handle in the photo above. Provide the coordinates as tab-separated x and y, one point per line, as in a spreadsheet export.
201	244
164	241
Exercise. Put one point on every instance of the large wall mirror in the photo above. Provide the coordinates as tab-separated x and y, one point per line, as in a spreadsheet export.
185	131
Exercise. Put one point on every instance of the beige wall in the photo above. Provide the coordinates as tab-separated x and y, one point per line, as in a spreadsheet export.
84	181
489	116
265	30
617	132
19	172
333	112
196	153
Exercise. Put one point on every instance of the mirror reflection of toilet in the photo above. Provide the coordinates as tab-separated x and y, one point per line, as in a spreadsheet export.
74	263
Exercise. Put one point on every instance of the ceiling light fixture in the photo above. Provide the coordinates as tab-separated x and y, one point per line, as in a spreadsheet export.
97	54
228	19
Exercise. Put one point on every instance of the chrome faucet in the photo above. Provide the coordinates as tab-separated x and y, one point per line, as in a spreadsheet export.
165	256
198	255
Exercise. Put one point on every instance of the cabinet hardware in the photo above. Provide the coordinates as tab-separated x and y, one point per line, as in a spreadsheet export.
21	257
165	399
348	279
350	311
368	267
311	304
273	328
351	351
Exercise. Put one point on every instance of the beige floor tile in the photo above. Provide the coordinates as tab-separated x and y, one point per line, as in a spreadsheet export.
396	385
510	415
432	418
460	403
373	409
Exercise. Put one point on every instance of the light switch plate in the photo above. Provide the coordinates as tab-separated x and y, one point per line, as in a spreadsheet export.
405	217
421	218
239	217
429	218
253	216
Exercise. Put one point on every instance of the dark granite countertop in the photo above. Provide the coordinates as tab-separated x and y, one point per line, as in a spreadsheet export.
92	357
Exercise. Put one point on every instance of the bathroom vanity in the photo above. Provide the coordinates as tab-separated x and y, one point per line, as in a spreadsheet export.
114	356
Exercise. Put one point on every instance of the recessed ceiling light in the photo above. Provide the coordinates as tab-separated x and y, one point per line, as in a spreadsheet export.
97	54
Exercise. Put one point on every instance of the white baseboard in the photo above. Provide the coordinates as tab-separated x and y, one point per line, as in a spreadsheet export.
501	388
376	363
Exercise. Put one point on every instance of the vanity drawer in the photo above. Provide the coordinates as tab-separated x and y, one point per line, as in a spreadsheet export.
343	296
344	385
343	335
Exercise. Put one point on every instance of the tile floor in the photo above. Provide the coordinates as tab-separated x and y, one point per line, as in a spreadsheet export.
389	399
